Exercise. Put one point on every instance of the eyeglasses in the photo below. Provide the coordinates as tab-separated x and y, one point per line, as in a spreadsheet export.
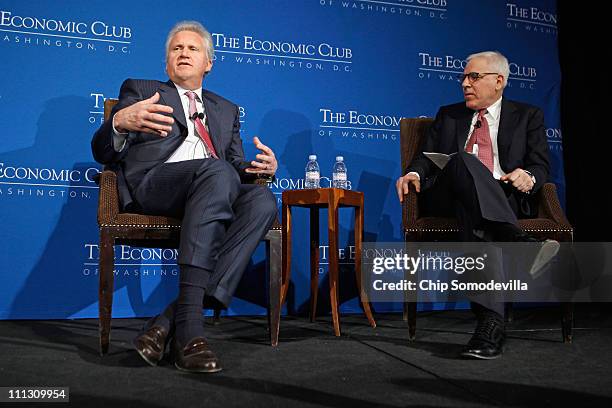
474	76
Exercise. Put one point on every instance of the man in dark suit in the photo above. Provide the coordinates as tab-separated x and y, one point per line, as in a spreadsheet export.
177	151
501	161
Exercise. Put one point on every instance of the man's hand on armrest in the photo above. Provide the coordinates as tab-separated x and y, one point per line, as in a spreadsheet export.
403	184
521	179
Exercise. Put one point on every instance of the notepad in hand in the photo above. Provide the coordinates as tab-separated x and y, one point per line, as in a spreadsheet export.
439	159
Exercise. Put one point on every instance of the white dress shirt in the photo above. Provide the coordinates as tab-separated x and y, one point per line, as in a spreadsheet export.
192	147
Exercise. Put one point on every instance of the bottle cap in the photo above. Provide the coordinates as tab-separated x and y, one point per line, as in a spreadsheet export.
312	157
339	158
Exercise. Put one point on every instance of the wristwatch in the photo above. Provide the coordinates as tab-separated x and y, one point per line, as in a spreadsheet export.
533	179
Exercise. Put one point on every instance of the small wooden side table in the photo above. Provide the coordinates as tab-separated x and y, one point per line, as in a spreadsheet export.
332	198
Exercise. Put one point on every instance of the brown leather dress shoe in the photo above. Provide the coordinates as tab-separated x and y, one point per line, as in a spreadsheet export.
150	344
196	357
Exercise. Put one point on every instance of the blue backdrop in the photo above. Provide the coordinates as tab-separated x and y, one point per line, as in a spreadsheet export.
331	77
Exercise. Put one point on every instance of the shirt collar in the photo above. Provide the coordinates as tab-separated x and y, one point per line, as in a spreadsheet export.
181	91
495	109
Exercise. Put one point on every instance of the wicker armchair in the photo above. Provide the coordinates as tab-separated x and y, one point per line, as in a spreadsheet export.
550	223
159	232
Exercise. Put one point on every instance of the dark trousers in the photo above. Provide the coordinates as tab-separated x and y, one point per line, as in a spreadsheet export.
222	219
467	190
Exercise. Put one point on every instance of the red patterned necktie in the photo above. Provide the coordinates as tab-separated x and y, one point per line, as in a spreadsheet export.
199	126
482	138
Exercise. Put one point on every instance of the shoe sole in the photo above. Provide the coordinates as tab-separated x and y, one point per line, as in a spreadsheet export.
480	356
144	357
547	252
203	371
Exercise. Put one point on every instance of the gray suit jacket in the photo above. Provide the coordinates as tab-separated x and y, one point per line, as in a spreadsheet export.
143	151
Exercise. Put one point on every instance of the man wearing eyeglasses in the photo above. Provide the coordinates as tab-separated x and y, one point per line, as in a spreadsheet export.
501	161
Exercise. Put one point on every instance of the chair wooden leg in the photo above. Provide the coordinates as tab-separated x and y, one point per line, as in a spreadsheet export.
567	323
275	278
106	266
286	257
216	316
333	263
508	312
314	261
411	314
409	296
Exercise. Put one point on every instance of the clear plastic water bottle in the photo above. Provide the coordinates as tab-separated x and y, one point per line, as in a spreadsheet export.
313	175
339	179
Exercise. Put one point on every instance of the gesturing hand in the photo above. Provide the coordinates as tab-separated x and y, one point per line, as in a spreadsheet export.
144	116
266	163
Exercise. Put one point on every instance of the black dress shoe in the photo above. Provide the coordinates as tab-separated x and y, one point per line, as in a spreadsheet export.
196	357
488	339
150	344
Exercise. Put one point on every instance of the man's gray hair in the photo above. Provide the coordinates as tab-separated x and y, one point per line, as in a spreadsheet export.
196	28
497	62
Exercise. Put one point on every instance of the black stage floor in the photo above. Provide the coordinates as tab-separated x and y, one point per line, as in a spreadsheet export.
364	367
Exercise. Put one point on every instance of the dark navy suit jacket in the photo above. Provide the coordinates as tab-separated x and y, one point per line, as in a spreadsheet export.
521	142
143	151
